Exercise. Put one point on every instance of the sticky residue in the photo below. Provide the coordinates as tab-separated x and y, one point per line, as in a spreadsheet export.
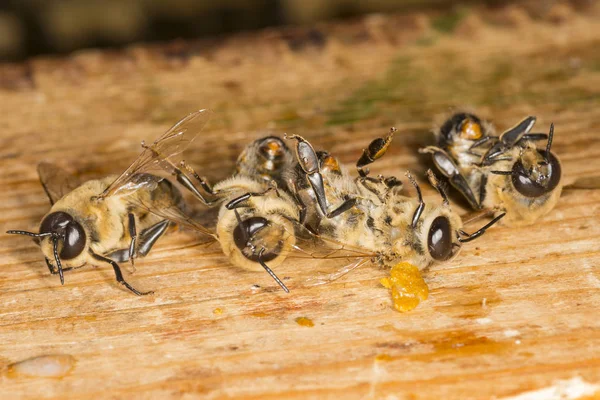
303	321
407	285
218	311
49	366
383	357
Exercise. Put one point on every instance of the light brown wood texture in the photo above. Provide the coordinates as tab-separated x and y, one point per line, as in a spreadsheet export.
516	312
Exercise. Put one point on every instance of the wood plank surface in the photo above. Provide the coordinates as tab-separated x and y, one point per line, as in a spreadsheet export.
516	314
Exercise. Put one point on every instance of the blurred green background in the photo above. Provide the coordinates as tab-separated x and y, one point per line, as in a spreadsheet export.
33	27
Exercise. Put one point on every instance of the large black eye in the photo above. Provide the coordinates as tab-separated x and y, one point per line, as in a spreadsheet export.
74	241
254	234
439	241
55	222
70	231
528	186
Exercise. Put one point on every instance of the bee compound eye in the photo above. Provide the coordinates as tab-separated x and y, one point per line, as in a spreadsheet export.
55	222
529	187
439	240
252	235
74	241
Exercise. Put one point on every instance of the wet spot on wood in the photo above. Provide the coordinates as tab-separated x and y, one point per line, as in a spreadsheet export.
48	366
303	321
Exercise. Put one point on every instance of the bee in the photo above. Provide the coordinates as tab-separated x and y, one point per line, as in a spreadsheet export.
109	220
505	173
308	205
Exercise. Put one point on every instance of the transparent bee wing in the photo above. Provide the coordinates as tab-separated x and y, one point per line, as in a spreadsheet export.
56	181
171	212
162	154
331	259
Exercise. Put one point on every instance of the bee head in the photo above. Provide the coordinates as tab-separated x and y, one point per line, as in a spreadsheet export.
440	228
464	126
59	227
538	179
265	157
536	172
62	225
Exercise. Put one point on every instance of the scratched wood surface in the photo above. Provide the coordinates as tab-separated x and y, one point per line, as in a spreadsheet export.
515	313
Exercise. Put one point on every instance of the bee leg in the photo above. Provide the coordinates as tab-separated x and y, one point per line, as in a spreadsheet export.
309	162
421	206
118	274
509	138
468	237
150	236
449	169
240	200
437	184
535	137
376	149
146	239
482	188
182	177
133	235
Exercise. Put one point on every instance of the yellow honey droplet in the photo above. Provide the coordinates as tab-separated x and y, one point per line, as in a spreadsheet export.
303	321
408	286
218	311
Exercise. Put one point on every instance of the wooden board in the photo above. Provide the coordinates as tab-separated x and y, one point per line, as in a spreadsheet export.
515	314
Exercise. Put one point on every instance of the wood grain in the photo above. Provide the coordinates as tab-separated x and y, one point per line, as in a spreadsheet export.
516	312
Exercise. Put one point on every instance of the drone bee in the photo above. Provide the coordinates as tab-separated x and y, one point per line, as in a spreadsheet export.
285	210
109	220
505	173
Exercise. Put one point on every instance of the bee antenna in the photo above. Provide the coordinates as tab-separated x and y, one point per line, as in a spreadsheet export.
270	271
57	259
481	231
549	145
32	234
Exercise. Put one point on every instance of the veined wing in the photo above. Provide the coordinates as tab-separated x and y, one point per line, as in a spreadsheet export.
56	181
161	154
171	212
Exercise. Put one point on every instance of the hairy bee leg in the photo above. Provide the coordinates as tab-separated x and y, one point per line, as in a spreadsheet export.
270	271
509	138
421	206
468	237
133	235
376	149
183	179
448	168
309	162
118	274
